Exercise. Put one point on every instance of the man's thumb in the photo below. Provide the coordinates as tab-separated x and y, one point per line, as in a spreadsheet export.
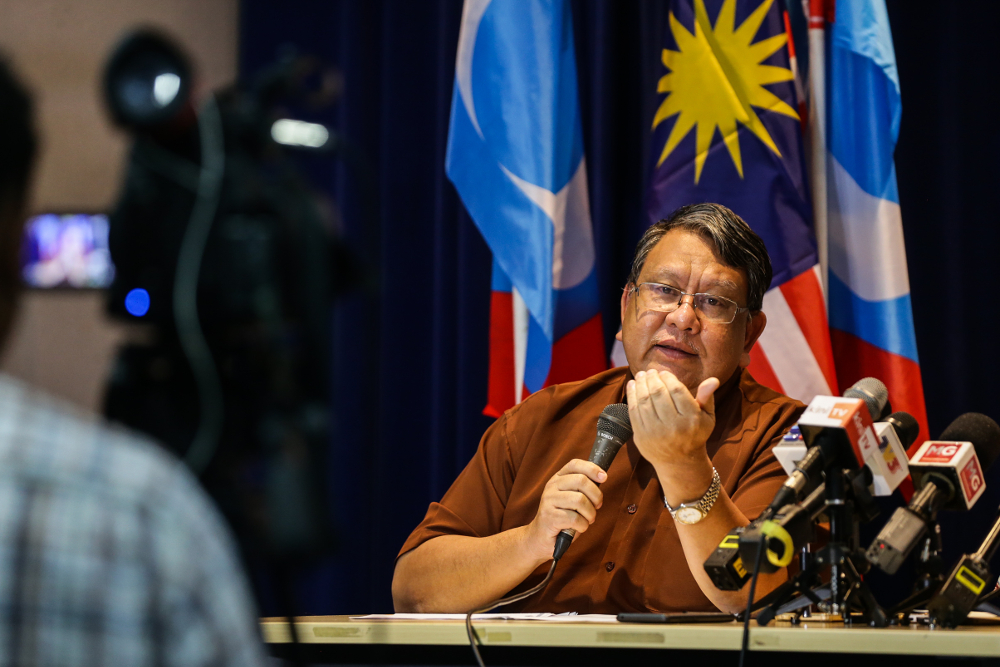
706	395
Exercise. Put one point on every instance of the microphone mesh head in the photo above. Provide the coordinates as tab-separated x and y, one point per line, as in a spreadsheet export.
614	420
875	395
981	431
906	427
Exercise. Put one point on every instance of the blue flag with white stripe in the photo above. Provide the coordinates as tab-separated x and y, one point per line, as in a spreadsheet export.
871	320
515	155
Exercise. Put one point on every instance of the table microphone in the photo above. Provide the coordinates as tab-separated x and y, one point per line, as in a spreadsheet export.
890	465
827	436
835	430
966	583
948	474
614	428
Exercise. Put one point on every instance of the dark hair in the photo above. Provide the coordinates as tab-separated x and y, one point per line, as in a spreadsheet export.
17	157
736	244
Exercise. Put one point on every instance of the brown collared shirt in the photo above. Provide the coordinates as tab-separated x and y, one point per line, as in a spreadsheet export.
630	559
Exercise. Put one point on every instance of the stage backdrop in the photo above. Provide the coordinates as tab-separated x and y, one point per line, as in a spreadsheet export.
411	348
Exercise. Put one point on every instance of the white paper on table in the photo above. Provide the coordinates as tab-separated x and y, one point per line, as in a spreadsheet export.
569	617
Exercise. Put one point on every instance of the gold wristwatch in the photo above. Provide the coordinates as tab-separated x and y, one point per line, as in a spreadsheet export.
693	512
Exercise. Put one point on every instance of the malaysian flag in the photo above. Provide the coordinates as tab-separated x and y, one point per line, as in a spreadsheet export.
729	130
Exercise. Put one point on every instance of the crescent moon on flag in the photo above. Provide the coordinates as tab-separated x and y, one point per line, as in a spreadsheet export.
472	14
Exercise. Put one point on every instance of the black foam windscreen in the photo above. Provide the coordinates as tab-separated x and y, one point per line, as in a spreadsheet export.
614	419
981	431
875	395
906	427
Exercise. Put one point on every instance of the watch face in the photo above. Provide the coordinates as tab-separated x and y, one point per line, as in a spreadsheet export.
689	515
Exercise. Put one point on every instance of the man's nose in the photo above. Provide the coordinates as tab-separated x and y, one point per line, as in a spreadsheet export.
685	317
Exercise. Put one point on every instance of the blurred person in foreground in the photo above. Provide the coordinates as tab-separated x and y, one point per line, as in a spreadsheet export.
110	553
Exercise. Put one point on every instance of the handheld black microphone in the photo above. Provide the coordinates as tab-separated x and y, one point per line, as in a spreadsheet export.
614	428
948	474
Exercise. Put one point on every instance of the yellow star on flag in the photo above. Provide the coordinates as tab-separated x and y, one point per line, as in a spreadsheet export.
716	79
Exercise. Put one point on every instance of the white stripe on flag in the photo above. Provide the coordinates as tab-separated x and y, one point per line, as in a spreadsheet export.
573	236
788	351
866	239
520	342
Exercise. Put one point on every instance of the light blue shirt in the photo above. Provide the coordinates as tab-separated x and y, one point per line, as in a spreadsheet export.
110	552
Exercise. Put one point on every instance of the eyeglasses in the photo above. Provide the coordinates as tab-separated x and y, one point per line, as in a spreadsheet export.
666	299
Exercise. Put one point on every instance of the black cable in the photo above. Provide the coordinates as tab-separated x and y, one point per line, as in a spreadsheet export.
185	306
989	597
746	615
500	603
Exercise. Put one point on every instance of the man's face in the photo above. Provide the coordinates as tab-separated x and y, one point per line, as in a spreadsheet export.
679	342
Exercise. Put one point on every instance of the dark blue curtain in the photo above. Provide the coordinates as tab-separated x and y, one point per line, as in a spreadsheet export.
411	344
948	173
410	361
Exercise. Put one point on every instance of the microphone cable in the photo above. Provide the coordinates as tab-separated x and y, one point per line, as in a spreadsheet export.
745	645
613	429
501	602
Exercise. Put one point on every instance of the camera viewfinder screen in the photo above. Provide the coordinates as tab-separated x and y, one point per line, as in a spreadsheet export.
66	250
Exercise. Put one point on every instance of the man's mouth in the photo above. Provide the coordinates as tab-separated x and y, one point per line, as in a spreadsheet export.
675	349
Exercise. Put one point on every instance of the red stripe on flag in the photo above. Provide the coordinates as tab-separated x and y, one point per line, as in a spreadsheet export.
760	369
500	396
788	31
578	354
805	299
820	10
857	359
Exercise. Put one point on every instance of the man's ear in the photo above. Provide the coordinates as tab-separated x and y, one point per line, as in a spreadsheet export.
755	327
624	305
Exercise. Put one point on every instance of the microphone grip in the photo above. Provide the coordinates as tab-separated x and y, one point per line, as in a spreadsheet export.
605	448
563	540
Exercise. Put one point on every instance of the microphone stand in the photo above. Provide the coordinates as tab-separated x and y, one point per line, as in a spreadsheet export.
930	573
846	496
805	561
930	567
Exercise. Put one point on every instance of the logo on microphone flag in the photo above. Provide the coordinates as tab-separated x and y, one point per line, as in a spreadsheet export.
729	131
871	320
515	156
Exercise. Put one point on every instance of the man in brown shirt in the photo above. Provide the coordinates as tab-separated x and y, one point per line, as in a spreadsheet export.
699	462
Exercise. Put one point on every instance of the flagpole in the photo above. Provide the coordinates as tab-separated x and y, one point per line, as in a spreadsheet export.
521	316
817	132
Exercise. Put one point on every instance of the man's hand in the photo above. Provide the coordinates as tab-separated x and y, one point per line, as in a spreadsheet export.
456	573
670	429
570	500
